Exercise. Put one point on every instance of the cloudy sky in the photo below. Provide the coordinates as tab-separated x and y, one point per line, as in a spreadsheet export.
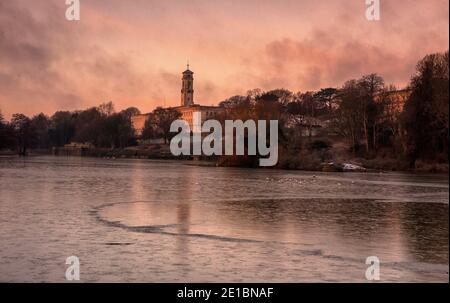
133	52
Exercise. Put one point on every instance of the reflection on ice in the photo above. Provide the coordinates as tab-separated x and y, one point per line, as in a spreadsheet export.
165	221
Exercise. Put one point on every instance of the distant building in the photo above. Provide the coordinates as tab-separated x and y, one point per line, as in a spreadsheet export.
394	103
138	122
186	108
394	100
73	149
79	145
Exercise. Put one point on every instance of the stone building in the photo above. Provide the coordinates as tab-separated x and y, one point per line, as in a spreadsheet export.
187	105
394	102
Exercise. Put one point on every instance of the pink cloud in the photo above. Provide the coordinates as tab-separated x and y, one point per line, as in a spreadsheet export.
133	52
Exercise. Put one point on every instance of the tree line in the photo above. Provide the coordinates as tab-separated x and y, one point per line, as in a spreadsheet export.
370	116
100	126
366	113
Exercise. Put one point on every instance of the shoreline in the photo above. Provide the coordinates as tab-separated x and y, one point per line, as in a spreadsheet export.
201	161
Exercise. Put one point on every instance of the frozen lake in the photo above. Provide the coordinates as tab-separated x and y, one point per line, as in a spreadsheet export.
154	221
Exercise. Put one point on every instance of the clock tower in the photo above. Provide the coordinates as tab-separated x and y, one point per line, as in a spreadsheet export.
187	89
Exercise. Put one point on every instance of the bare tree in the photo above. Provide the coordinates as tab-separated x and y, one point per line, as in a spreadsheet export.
163	118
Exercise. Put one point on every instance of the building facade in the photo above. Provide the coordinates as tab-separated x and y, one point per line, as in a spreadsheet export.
394	102
186	108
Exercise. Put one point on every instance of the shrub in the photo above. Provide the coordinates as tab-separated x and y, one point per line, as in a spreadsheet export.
320	145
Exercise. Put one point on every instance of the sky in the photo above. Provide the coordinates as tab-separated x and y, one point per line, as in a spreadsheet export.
133	52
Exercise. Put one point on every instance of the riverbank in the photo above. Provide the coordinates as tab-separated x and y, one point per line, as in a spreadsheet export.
303	161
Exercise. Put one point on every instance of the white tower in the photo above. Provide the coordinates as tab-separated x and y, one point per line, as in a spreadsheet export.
187	90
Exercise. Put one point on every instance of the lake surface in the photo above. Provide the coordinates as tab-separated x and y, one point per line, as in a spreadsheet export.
154	221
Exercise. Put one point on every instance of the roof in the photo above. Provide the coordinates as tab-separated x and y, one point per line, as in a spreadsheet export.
193	106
